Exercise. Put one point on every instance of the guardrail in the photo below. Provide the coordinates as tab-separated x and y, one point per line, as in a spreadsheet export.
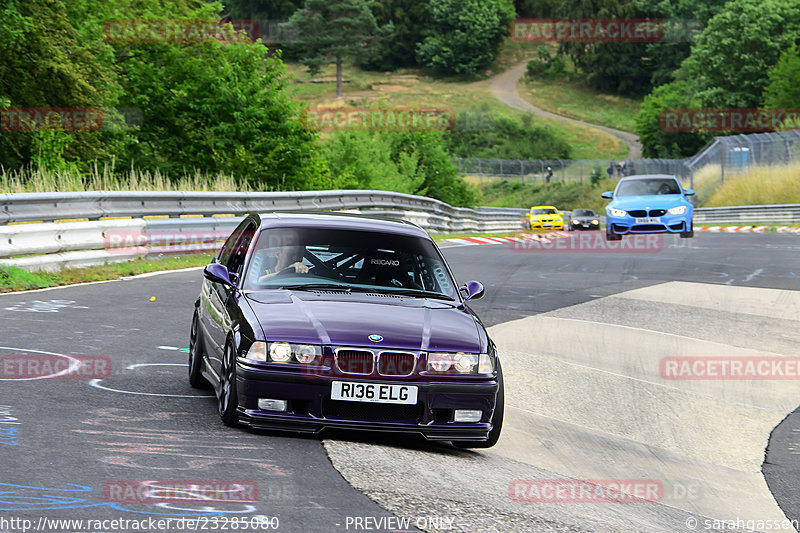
40	230
749	214
42	227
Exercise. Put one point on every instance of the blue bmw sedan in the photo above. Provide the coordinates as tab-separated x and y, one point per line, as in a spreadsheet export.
649	204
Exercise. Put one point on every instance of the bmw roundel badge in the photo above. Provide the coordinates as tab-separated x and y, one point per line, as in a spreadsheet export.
375	338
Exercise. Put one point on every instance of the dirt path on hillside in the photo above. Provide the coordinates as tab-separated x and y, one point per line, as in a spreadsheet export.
504	87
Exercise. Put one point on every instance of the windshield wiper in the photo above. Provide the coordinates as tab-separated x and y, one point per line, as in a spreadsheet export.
315	287
418	293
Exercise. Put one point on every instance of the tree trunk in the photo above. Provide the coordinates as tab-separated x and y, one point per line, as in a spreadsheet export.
338	77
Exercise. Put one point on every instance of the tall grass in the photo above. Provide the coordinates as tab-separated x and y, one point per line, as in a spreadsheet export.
705	183
759	186
108	179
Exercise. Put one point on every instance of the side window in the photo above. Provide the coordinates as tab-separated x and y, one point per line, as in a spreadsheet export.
239	252
225	252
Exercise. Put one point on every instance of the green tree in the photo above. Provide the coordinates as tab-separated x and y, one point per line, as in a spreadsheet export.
465	35
218	108
783	90
683	21
329	31
262	9
410	19
410	162
738	47
45	62
656	140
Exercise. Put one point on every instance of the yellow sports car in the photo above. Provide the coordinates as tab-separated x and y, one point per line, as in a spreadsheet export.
545	217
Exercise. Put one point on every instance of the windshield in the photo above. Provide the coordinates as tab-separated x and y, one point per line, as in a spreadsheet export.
583	213
356	260
548	211
652	186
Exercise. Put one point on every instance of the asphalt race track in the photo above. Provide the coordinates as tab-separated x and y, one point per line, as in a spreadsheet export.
66	443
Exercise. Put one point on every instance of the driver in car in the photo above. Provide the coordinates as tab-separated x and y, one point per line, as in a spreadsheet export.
284	258
665	189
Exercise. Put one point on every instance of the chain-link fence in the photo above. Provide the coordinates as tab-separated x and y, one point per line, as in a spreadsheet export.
545	171
737	153
731	154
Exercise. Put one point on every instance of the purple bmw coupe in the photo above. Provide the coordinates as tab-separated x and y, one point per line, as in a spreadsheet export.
314	321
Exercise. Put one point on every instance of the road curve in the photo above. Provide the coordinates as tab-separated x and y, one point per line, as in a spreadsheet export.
63	441
504	88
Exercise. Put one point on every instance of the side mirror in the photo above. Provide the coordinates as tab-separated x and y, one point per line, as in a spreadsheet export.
561	213
689	192
473	290
218	274
608	195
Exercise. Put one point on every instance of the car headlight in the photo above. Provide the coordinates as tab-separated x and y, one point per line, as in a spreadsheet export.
595	222
617	212
681	209
460	363
284	352
576	221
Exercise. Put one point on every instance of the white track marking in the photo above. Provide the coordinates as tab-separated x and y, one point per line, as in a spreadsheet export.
96	384
73	366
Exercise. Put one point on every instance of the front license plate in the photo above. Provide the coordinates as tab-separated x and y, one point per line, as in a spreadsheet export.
547	223
355	391
651	220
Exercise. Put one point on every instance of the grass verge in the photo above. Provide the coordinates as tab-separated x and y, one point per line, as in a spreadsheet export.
566	196
757	186
106	179
13	279
573	99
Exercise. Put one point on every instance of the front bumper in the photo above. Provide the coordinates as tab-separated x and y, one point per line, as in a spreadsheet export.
538	224
584	226
667	224
311	410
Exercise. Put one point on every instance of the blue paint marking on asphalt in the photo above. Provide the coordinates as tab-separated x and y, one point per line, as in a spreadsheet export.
8	436
46	499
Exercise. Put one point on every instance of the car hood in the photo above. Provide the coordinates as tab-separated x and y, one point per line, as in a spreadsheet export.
405	323
660	201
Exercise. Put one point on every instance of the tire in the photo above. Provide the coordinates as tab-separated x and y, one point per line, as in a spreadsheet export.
613	237
497	419
688	234
228	399
196	379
